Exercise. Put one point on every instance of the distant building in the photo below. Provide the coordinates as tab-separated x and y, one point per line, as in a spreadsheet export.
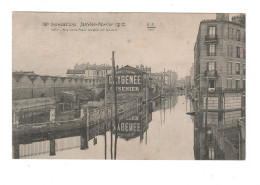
181	83
95	73
171	78
166	78
220	53
187	82
145	69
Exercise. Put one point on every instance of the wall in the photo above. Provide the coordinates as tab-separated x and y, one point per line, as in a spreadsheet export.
223	108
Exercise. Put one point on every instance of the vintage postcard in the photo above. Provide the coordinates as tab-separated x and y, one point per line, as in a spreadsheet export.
128	86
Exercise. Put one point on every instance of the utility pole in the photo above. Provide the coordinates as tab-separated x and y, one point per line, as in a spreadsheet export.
115	100
161	85
206	113
111	133
105	134
164	75
146	102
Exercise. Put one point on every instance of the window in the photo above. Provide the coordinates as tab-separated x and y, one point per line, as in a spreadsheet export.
229	83
238	35
212	31
244	69
238	52
211	66
229	68
230	33
211	83
244	52
237	68
244	84
237	84
229	51
212	50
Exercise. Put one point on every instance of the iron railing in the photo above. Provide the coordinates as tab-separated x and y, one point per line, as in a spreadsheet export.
211	38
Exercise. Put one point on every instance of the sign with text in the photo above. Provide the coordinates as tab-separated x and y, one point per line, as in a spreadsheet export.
128	79
130	128
133	126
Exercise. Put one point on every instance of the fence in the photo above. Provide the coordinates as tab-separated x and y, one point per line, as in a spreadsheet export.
226	142
97	126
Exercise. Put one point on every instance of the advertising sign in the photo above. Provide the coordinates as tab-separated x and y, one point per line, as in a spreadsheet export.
128	79
133	126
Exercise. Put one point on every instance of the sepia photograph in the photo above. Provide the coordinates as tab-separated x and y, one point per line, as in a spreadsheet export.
128	86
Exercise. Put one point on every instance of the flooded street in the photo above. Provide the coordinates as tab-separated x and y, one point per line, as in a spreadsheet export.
169	136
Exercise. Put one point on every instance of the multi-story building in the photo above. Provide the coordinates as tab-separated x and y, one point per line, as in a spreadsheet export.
192	76
93	72
219	70
219	53
219	76
171	78
146	69
166	78
187	82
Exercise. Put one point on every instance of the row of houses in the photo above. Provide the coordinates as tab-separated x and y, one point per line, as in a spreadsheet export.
89	71
94	71
168	77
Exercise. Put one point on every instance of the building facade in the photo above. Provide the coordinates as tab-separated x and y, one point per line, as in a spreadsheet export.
192	84
168	78
145	69
219	53
94	73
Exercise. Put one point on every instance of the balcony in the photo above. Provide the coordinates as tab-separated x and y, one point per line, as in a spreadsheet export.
212	74
211	39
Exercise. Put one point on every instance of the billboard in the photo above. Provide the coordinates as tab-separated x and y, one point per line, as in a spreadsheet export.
128	79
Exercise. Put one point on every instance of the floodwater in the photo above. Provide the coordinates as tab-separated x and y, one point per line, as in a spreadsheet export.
170	135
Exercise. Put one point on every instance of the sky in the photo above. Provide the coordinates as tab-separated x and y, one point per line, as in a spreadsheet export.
41	46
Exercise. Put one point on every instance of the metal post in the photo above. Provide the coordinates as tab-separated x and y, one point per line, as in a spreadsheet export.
83	136
111	131
105	134
52	141
87	125
146	137
206	115
52	147
16	150
141	129
115	101
146	101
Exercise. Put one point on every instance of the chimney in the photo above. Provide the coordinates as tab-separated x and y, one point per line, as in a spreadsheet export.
222	17
241	19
